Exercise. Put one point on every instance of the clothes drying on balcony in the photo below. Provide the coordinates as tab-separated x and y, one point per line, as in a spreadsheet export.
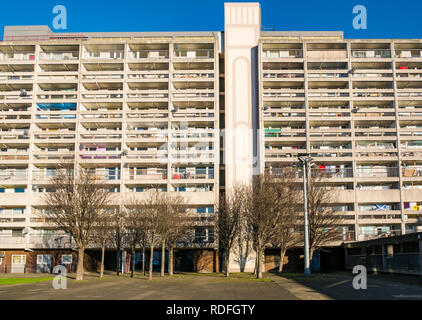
56	106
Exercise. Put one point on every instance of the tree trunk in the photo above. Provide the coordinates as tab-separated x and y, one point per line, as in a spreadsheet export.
255	271
282	254
118	263
143	260
163	258
80	266
102	261
217	265
171	263
151	257
227	262
133	261
259	273
311	255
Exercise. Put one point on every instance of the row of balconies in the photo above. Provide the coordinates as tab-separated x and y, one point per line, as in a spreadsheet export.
339	54
57	55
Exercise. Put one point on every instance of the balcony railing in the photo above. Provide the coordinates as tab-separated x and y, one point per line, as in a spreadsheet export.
145	175
371	53
408	53
7	175
194	176
104	55
280	54
16	78
22	56
377	172
412	171
149	54
70	55
194	54
55	241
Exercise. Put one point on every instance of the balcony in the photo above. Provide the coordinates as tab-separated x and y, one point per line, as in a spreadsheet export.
17	56
408	53
148	54
145	174
102	96
191	176
194	54
57	56
193	75
19	78
14	135
10	175
411	171
37	241
9	242
376	172
368	54
104	55
282	53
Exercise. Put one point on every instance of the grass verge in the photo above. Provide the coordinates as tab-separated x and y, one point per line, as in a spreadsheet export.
23	280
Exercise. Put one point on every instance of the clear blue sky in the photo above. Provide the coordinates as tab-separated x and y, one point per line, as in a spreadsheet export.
386	18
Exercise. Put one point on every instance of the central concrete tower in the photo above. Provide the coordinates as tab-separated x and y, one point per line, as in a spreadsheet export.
242	32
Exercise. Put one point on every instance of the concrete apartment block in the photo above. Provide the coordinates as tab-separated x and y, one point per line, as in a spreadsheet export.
145	109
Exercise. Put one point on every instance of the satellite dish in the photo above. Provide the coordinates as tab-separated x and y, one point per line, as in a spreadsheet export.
23	93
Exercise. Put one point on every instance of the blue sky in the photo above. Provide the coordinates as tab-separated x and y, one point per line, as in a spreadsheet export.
386	18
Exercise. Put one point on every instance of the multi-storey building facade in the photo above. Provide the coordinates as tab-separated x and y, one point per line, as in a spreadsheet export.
139	110
355	106
144	110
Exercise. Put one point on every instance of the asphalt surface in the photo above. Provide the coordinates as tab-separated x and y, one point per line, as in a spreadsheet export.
185	287
338	286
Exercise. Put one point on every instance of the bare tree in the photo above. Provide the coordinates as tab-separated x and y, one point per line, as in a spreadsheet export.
101	235
262	215
74	205
230	209
324	219
169	206
180	226
288	205
151	214
117	235
134	223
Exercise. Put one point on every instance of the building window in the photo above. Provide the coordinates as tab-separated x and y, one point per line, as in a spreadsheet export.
66	259
18	259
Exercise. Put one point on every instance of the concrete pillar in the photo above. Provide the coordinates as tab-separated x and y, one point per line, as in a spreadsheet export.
420	256
242	33
390	249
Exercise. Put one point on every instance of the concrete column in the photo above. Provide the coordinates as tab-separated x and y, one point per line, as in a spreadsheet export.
420	256
242	32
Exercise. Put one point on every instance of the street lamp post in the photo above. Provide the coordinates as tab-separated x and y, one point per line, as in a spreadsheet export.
306	161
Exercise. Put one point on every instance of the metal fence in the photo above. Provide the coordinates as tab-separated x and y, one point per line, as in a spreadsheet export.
399	262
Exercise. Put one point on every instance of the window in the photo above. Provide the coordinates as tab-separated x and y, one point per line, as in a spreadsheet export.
18	211
18	259
17	233
66	259
44	259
